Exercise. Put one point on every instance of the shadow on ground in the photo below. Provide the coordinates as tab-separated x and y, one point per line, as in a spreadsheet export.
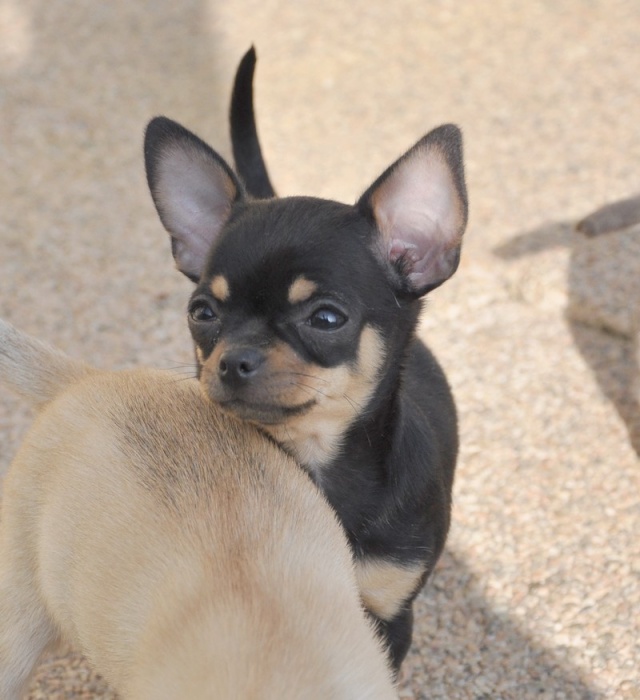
488	654
610	355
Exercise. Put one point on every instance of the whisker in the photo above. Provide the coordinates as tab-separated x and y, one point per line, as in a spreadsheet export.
311	389
180	366
288	434
299	374
308	376
188	378
356	405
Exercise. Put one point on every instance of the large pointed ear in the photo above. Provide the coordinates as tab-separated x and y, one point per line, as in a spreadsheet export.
193	190
419	208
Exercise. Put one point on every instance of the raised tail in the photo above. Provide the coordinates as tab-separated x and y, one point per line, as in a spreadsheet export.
34	370
247	153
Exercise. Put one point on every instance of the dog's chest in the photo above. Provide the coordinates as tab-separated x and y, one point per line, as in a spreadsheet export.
313	443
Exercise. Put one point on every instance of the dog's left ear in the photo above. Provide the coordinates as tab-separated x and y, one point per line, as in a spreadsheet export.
419	207
193	190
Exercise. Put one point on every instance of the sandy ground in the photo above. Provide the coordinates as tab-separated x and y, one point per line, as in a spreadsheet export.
538	594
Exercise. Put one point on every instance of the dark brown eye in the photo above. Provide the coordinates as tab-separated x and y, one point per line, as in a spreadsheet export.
201	312
326	319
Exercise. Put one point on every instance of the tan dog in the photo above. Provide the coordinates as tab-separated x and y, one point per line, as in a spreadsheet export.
182	552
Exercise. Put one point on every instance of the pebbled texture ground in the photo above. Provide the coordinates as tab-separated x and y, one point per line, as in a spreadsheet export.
538	594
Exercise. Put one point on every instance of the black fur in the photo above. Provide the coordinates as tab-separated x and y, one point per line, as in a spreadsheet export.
391	474
247	153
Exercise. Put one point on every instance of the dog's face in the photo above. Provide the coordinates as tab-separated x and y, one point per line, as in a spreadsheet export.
292	335
302	305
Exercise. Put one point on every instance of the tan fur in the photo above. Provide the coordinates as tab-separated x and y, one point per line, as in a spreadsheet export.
301	289
220	288
315	437
385	585
176	547
33	369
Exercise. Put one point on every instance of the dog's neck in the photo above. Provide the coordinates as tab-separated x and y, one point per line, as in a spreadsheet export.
313	449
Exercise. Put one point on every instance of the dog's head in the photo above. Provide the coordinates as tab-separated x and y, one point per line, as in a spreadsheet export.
302	306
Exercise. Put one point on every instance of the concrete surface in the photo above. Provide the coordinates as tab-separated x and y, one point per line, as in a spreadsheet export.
538	594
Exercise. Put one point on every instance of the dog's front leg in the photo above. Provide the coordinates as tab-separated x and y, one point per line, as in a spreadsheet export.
396	633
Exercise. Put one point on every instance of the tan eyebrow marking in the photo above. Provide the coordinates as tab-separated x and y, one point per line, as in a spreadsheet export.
220	288
301	289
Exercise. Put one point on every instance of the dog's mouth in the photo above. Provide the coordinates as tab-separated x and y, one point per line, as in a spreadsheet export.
264	413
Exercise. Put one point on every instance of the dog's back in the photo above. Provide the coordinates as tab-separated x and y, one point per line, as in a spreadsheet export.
182	552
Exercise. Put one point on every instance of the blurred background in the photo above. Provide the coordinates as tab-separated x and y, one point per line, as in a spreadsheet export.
538	594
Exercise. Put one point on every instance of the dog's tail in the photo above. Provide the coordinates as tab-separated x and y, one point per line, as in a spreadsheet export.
247	153
34	370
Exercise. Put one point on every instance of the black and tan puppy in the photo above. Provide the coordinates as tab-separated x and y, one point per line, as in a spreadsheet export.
172	544
304	318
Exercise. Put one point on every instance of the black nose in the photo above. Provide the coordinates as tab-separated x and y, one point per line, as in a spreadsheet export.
239	365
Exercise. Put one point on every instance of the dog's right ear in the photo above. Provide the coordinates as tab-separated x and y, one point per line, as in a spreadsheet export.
419	207
193	190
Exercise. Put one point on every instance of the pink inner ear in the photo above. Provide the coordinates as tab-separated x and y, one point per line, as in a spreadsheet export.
194	194
421	216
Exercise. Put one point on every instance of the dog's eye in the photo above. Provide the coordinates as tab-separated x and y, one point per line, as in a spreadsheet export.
201	311
326	319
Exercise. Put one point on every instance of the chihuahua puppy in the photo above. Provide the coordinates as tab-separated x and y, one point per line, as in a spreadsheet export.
174	545
304	317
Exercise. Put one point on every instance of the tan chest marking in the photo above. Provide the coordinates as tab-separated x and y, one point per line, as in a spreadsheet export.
385	585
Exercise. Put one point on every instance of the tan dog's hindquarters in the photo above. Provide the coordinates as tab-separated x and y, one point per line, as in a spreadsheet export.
175	546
